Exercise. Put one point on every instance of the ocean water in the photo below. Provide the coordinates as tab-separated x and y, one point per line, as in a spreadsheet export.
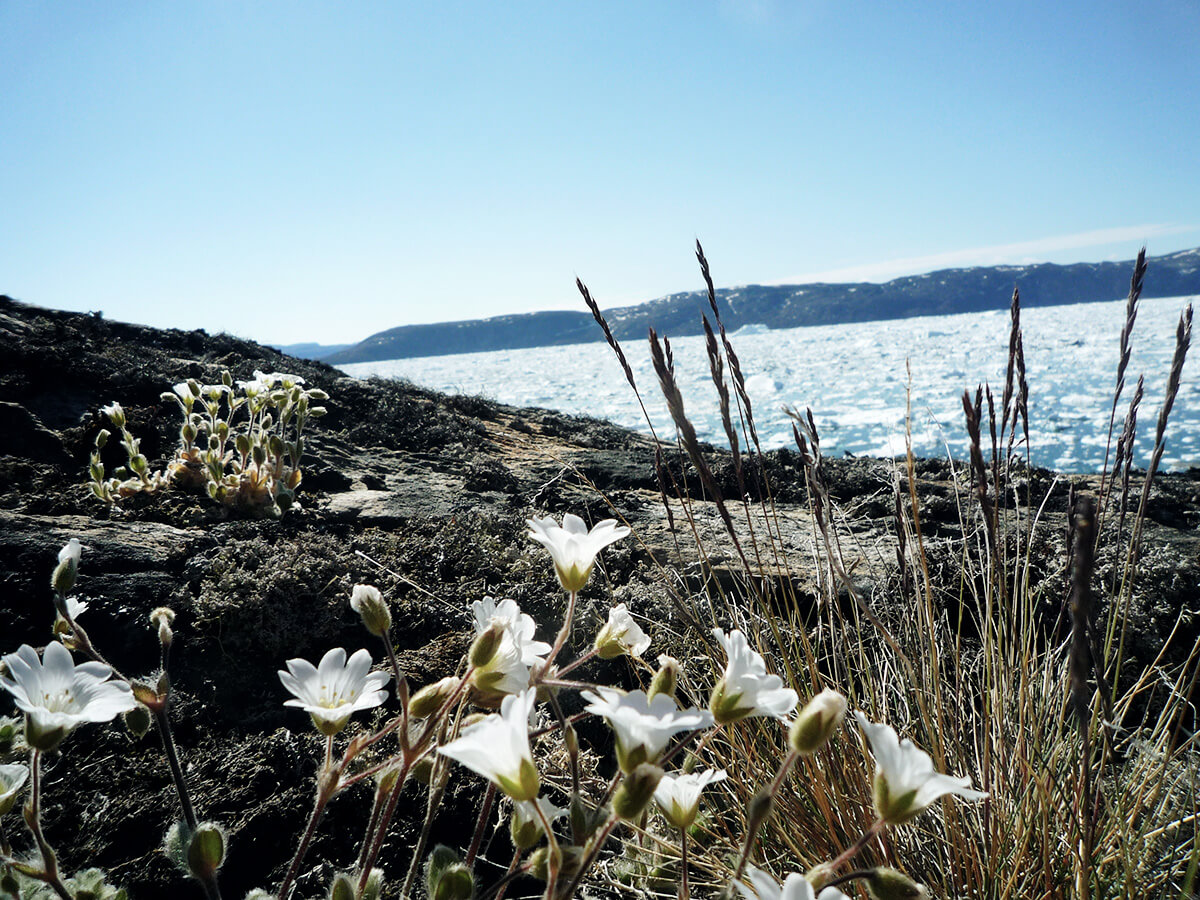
859	380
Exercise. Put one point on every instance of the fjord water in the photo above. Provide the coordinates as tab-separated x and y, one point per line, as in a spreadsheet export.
855	378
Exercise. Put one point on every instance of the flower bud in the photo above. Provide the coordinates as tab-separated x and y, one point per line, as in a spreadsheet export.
137	721
727	707
570	860
636	791
115	414
446	878
344	887
665	679
242	443
102	438
374	886
63	579
888	884
817	722
422	770
206	850
368	602
483	649
432	697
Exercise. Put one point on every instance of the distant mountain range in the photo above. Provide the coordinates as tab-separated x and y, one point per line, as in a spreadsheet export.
787	306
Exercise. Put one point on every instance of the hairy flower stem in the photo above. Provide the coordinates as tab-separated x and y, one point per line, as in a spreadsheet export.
850	852
596	842
563	633
554	856
485	810
168	742
760	808
375	839
327	786
683	865
33	819
401	681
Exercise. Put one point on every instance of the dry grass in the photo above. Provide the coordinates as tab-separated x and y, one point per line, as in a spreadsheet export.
1090	794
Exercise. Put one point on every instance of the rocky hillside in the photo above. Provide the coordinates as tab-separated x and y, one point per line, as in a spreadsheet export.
422	494
788	306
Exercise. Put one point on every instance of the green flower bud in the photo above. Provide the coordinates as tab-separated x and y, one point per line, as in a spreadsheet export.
242	443
368	602
206	850
727	707
889	884
817	722
636	791
422	770
665	679
102	438
446	878
483	649
344	887
570	860
226	378
432	697
137	721
63	578
374	886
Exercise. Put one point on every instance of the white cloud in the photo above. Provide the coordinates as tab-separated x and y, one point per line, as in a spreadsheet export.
1021	253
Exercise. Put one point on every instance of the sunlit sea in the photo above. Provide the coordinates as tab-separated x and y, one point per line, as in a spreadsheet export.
860	379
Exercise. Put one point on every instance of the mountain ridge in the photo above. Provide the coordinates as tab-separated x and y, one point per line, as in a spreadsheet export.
945	291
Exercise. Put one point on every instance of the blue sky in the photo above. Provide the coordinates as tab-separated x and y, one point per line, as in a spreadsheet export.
320	171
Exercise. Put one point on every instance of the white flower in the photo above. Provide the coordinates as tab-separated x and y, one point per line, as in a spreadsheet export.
497	747
621	635
746	689
905	780
572	547
506	671
643	727
11	779
56	695
519	625
76	608
678	796
795	887
335	689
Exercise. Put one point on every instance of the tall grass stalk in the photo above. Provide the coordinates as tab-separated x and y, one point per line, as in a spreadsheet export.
1087	757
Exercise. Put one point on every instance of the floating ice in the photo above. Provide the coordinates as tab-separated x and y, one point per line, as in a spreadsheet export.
855	379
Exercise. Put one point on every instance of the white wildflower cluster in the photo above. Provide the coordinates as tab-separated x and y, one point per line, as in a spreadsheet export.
240	442
658	739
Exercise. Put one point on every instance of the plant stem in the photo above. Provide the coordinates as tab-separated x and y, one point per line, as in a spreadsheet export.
168	742
760	808
327	785
33	819
563	633
554	856
481	824
850	852
683	863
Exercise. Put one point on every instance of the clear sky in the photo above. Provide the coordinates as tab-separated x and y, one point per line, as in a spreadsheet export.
320	171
